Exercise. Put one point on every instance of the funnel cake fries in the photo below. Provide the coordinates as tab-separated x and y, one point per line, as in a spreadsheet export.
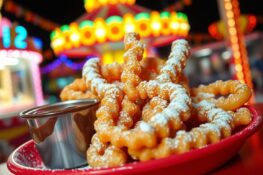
76	90
79	90
130	75
177	109
111	72
238	93
146	103
104	155
145	133
219	125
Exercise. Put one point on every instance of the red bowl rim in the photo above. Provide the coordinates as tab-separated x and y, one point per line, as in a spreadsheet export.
14	167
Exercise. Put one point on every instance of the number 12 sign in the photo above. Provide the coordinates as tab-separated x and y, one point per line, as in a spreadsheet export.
19	40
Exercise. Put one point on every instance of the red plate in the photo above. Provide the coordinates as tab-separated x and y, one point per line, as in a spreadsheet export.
25	160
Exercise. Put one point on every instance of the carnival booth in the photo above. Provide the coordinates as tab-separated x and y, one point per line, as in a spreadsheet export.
101	30
20	85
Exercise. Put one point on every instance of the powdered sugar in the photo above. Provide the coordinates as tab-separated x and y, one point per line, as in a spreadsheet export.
176	61
179	102
218	120
145	127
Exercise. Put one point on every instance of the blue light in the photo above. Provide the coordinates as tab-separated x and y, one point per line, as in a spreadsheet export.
38	43
20	39
6	37
62	82
65	60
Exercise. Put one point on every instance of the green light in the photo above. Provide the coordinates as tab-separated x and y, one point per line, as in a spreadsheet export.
114	19
85	23
52	35
165	15
64	28
185	16
142	16
181	15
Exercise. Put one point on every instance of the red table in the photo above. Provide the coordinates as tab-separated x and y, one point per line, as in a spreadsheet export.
250	158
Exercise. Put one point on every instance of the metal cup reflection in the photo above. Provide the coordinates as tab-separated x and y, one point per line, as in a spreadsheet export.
62	131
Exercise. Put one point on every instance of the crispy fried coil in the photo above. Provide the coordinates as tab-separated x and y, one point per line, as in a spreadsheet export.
76	90
110	119
130	110
104	155
176	62
171	70
162	124
183	80
238	93
219	125
111	72
170	117
99	152
109	111
152	64
151	67
139	136
130	76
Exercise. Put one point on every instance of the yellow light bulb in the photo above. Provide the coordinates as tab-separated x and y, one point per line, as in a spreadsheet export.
129	28
100	31
229	14
129	25
240	75
236	54
155	23
156	26
231	22
228	6
232	31
74	37
174	25
233	39
238	68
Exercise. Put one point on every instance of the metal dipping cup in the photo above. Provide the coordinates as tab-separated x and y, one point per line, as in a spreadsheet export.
62	131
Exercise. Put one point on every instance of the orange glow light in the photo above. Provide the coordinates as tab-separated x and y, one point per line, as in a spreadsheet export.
113	28
91	5
241	67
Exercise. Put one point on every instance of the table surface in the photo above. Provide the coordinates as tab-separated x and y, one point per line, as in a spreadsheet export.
248	161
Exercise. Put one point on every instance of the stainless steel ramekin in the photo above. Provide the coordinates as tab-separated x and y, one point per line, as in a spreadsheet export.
62	131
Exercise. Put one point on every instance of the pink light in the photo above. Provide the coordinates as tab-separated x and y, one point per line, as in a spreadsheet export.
29	55
4	22
37	84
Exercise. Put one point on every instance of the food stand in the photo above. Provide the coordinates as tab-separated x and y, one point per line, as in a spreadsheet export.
20	84
100	31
